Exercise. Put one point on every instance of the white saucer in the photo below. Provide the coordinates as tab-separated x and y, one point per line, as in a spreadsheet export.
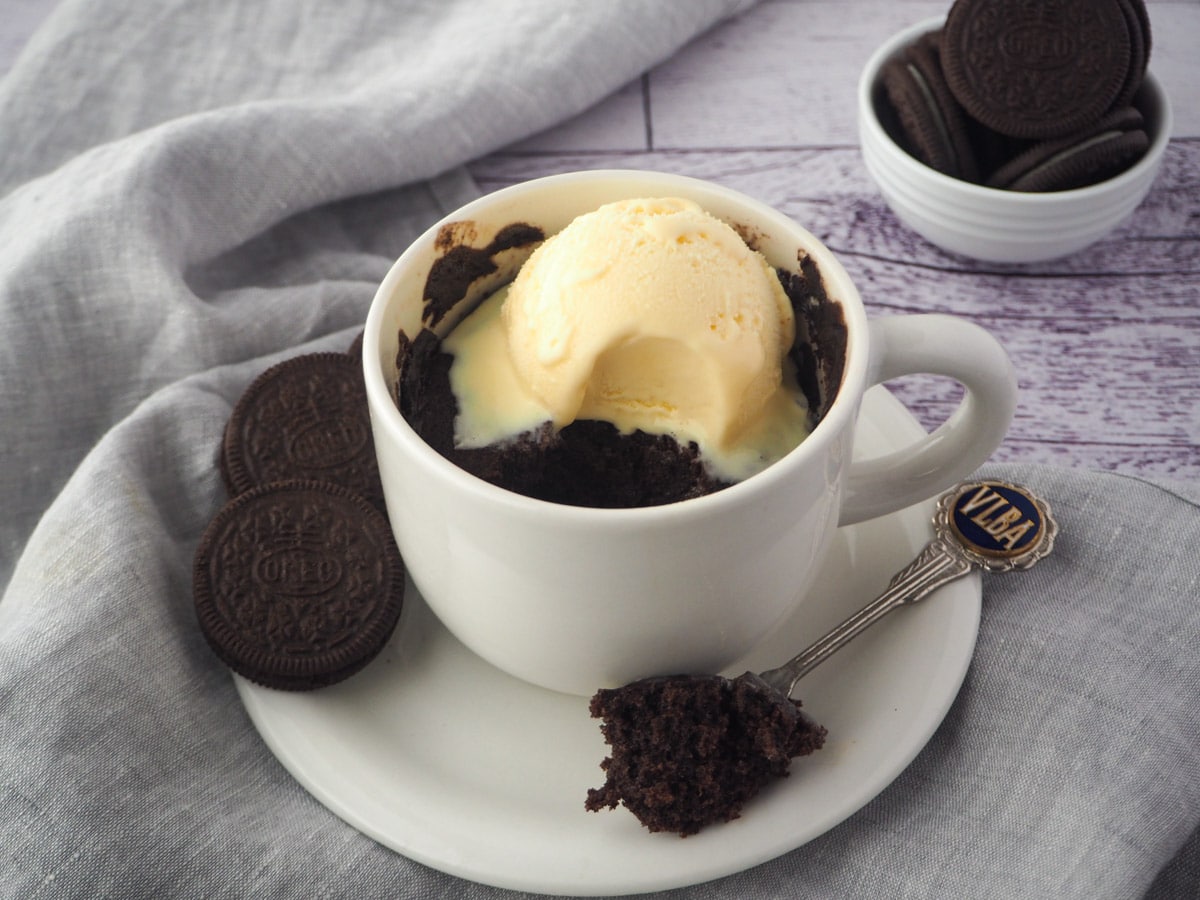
436	754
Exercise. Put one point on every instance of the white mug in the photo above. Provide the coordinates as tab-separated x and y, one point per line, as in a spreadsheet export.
575	599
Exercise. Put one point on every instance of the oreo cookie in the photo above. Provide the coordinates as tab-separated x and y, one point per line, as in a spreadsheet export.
1023	96
1102	151
1137	22
930	121
297	584
305	417
1039	70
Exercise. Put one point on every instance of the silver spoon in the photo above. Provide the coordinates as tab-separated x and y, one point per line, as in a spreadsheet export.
993	525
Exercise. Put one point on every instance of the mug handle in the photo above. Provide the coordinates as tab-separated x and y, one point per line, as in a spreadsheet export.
939	345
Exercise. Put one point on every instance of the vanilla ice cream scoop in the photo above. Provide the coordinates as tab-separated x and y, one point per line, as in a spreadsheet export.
650	314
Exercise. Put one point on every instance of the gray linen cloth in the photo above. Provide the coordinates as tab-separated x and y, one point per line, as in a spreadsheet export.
190	191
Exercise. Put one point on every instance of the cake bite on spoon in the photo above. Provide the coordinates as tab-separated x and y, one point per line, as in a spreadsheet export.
688	751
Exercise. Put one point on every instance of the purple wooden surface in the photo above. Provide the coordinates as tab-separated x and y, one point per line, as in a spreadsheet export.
1106	342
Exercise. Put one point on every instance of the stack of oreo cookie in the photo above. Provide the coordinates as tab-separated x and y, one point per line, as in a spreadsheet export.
1025	96
297	581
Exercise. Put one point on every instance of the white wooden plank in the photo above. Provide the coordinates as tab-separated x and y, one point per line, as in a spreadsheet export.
616	123
829	192
781	75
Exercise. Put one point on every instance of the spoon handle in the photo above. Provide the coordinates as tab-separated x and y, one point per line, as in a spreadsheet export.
933	567
993	525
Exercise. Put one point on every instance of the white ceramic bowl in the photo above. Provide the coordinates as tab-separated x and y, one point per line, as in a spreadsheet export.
991	224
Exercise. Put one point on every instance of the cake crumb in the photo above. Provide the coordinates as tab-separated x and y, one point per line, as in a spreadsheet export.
689	751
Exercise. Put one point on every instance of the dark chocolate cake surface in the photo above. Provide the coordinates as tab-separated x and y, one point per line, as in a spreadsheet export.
587	463
690	751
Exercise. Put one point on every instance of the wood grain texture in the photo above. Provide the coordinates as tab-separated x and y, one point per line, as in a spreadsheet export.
1106	342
